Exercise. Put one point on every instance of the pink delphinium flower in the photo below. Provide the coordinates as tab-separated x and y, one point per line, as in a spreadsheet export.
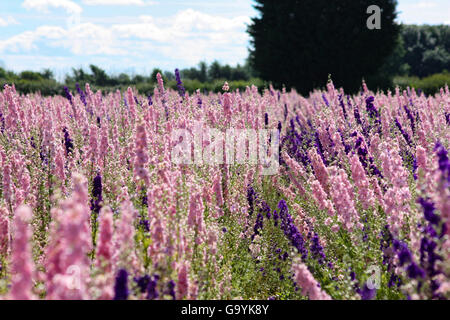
421	156
141	155
21	257
131	103
342	195
227	102
104	254
321	198
319	169
104	143
59	164
93	144
397	197
183	281
4	232
124	255
7	183
295	171
67	263
12	115
162	92
365	194
160	85
195	217
104	247
217	186
308	284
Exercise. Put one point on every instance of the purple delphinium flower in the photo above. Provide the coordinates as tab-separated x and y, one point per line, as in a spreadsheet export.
180	86
428	209
81	93
2	122
144	200
142	282
367	293
68	142
152	291
68	95
319	148
361	151
146	224
394	280
265	209
373	113
150	101
357	116
410	117
96	194
251	194
324	97
171	289
121	291
403	253
370	107
316	249
341	103
444	163
259	224
290	230
414	271
403	132
32	144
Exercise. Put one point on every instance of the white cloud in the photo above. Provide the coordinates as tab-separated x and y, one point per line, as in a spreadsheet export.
424	4
25	41
188	24
82	39
185	39
118	2
44	5
4	22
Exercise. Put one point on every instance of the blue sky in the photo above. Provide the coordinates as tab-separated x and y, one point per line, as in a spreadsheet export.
134	36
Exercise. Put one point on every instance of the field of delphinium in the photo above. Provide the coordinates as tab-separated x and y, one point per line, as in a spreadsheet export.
93	204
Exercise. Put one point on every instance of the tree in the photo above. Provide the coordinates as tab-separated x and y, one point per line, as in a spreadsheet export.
203	71
123	79
100	76
154	73
299	43
2	73
427	49
30	75
47	74
214	71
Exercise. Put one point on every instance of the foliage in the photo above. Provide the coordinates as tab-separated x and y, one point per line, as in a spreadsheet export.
307	40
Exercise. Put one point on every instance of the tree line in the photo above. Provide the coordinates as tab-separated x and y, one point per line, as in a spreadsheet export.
420	57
